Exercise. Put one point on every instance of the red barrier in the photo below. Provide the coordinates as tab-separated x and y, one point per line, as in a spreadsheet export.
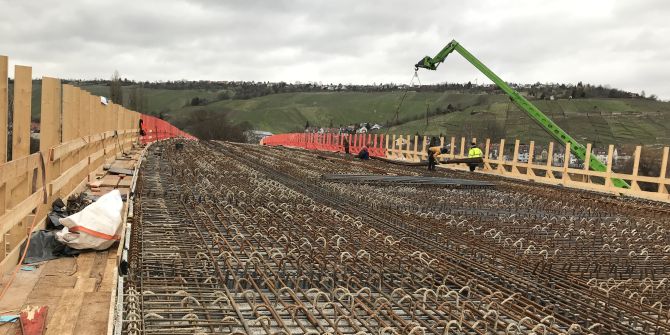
156	129
330	142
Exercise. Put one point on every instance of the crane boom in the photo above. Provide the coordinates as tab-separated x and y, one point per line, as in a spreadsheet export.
540	118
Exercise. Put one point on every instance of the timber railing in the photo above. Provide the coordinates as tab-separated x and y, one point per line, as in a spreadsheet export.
78	134
497	161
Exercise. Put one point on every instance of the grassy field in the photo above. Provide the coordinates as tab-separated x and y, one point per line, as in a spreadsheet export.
593	120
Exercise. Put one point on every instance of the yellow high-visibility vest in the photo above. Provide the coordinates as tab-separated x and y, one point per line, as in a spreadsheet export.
475	153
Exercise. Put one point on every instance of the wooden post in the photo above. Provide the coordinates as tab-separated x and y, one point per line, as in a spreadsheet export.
389	154
501	156
664	167
566	164
487	152
4	104
587	163
452	149
407	147
23	88
20	188
416	148
516	157
636	166
71	126
462	153
608	174
50	127
531	156
442	142
92	129
550	161
425	145
81	119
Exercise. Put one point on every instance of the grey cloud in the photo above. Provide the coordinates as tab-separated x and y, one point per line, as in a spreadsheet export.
623	44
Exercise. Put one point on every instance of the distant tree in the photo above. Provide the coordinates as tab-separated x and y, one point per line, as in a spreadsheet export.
653	97
195	101
115	89
307	124
224	95
137	101
215	125
643	94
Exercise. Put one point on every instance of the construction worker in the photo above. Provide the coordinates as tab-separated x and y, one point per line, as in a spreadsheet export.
433	150
345	143
142	132
432	157
363	154
474	152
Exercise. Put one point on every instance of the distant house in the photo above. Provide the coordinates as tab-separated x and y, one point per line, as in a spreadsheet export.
255	136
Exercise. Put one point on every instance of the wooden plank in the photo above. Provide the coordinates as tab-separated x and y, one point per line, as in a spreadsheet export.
21	287
65	177
109	275
93	318
86	284
65	321
15	169
4	106
14	216
109	181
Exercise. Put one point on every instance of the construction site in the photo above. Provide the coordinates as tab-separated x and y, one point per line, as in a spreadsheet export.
121	223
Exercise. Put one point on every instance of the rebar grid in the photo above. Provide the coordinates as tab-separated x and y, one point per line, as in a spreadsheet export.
249	240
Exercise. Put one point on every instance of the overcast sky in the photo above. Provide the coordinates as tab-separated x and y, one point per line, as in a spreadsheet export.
624	44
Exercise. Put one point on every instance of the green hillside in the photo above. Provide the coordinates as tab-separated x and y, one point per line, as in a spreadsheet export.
595	120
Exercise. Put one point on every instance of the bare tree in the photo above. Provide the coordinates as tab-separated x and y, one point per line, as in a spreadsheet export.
115	90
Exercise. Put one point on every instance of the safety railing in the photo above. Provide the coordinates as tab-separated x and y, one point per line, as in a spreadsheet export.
78	133
555	168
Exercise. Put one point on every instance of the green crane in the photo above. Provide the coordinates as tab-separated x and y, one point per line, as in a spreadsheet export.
525	105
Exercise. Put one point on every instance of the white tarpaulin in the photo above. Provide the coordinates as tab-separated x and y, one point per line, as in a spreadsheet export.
96	226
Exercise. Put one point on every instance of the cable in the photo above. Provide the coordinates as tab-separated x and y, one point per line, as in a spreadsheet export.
32	228
402	99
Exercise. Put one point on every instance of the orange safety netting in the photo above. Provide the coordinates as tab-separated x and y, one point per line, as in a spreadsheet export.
376	143
156	129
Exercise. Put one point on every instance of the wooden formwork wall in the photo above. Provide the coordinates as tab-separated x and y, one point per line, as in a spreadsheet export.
401	147
77	135
413	148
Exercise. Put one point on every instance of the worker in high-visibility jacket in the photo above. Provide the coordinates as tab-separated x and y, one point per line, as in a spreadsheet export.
474	152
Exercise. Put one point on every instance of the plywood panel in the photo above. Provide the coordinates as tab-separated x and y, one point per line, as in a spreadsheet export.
4	100
23	87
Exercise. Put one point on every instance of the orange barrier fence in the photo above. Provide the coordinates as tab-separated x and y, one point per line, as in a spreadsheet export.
156	129
376	143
